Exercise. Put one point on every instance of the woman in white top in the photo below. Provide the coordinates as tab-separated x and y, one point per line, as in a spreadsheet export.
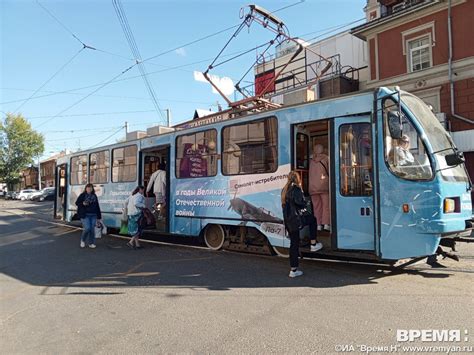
135	204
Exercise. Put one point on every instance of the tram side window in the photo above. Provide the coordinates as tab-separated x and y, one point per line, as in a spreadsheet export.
250	148
99	163
124	164
406	157
196	154
79	170
355	155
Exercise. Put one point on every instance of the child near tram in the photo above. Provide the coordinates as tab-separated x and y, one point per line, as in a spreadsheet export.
296	216
88	210
135	205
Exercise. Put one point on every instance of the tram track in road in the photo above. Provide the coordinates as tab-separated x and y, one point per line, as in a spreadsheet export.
420	266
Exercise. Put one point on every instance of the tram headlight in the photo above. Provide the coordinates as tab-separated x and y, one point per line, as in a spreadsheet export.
449	205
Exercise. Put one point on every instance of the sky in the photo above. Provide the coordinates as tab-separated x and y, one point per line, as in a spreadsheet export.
79	97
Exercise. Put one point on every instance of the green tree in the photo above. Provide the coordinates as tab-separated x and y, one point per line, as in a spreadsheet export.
21	144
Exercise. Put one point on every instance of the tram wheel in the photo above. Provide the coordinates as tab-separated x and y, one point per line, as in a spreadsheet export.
214	236
282	252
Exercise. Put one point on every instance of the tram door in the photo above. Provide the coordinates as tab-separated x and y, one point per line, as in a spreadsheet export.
155	159
353	187
60	207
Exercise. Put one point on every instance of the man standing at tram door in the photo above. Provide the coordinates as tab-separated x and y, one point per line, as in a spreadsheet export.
158	182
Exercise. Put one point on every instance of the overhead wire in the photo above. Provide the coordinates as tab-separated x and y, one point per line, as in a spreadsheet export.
86	136
50	78
106	139
93	114
213	34
136	53
59	22
114	79
52	93
85	97
177	67
67	29
81	129
335	29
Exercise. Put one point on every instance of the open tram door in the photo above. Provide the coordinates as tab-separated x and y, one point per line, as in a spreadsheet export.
60	200
348	143
152	160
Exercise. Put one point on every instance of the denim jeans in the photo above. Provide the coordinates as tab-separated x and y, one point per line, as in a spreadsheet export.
88	225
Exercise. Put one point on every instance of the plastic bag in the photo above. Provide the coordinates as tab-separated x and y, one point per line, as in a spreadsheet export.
100	229
124	217
98	232
124	228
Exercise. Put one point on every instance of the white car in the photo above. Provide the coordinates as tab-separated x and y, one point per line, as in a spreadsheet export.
38	194
25	194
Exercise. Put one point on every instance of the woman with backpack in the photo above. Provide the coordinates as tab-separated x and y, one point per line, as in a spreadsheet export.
296	216
88	210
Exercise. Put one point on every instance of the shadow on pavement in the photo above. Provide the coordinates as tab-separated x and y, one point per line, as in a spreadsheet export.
43	255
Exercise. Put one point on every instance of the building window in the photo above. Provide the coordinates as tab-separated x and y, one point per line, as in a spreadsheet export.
355	159
79	170
419	53
196	154
250	148
99	163
124	168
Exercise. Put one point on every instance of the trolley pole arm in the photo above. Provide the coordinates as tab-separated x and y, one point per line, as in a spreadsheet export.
216	87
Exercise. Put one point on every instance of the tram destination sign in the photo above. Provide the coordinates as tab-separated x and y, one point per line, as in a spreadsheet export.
207	120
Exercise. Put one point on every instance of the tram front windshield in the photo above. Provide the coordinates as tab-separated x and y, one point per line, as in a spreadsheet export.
439	139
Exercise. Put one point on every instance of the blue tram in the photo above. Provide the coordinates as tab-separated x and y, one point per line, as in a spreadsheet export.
224	177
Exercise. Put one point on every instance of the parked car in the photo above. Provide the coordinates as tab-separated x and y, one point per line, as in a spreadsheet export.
11	195
24	194
44	194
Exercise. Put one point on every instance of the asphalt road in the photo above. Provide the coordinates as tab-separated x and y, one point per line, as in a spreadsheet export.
58	298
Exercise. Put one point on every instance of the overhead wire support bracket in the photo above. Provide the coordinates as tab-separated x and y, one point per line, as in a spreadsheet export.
85	46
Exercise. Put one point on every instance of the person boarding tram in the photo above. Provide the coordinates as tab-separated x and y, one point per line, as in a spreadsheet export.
296	216
158	182
319	186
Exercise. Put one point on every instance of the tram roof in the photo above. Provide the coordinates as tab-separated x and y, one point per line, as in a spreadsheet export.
182	129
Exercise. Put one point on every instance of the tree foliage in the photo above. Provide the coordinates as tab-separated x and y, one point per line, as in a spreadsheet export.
20	145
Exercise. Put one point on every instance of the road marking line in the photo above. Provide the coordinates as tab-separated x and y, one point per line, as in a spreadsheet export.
65	232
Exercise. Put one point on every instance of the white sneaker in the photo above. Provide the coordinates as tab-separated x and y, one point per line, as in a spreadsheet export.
295	273
92	246
83	245
327	227
320	227
316	247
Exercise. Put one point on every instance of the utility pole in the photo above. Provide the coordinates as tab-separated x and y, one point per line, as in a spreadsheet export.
39	173
168	117
126	128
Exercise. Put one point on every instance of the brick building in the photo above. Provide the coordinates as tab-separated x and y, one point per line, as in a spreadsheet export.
29	178
47	169
425	48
